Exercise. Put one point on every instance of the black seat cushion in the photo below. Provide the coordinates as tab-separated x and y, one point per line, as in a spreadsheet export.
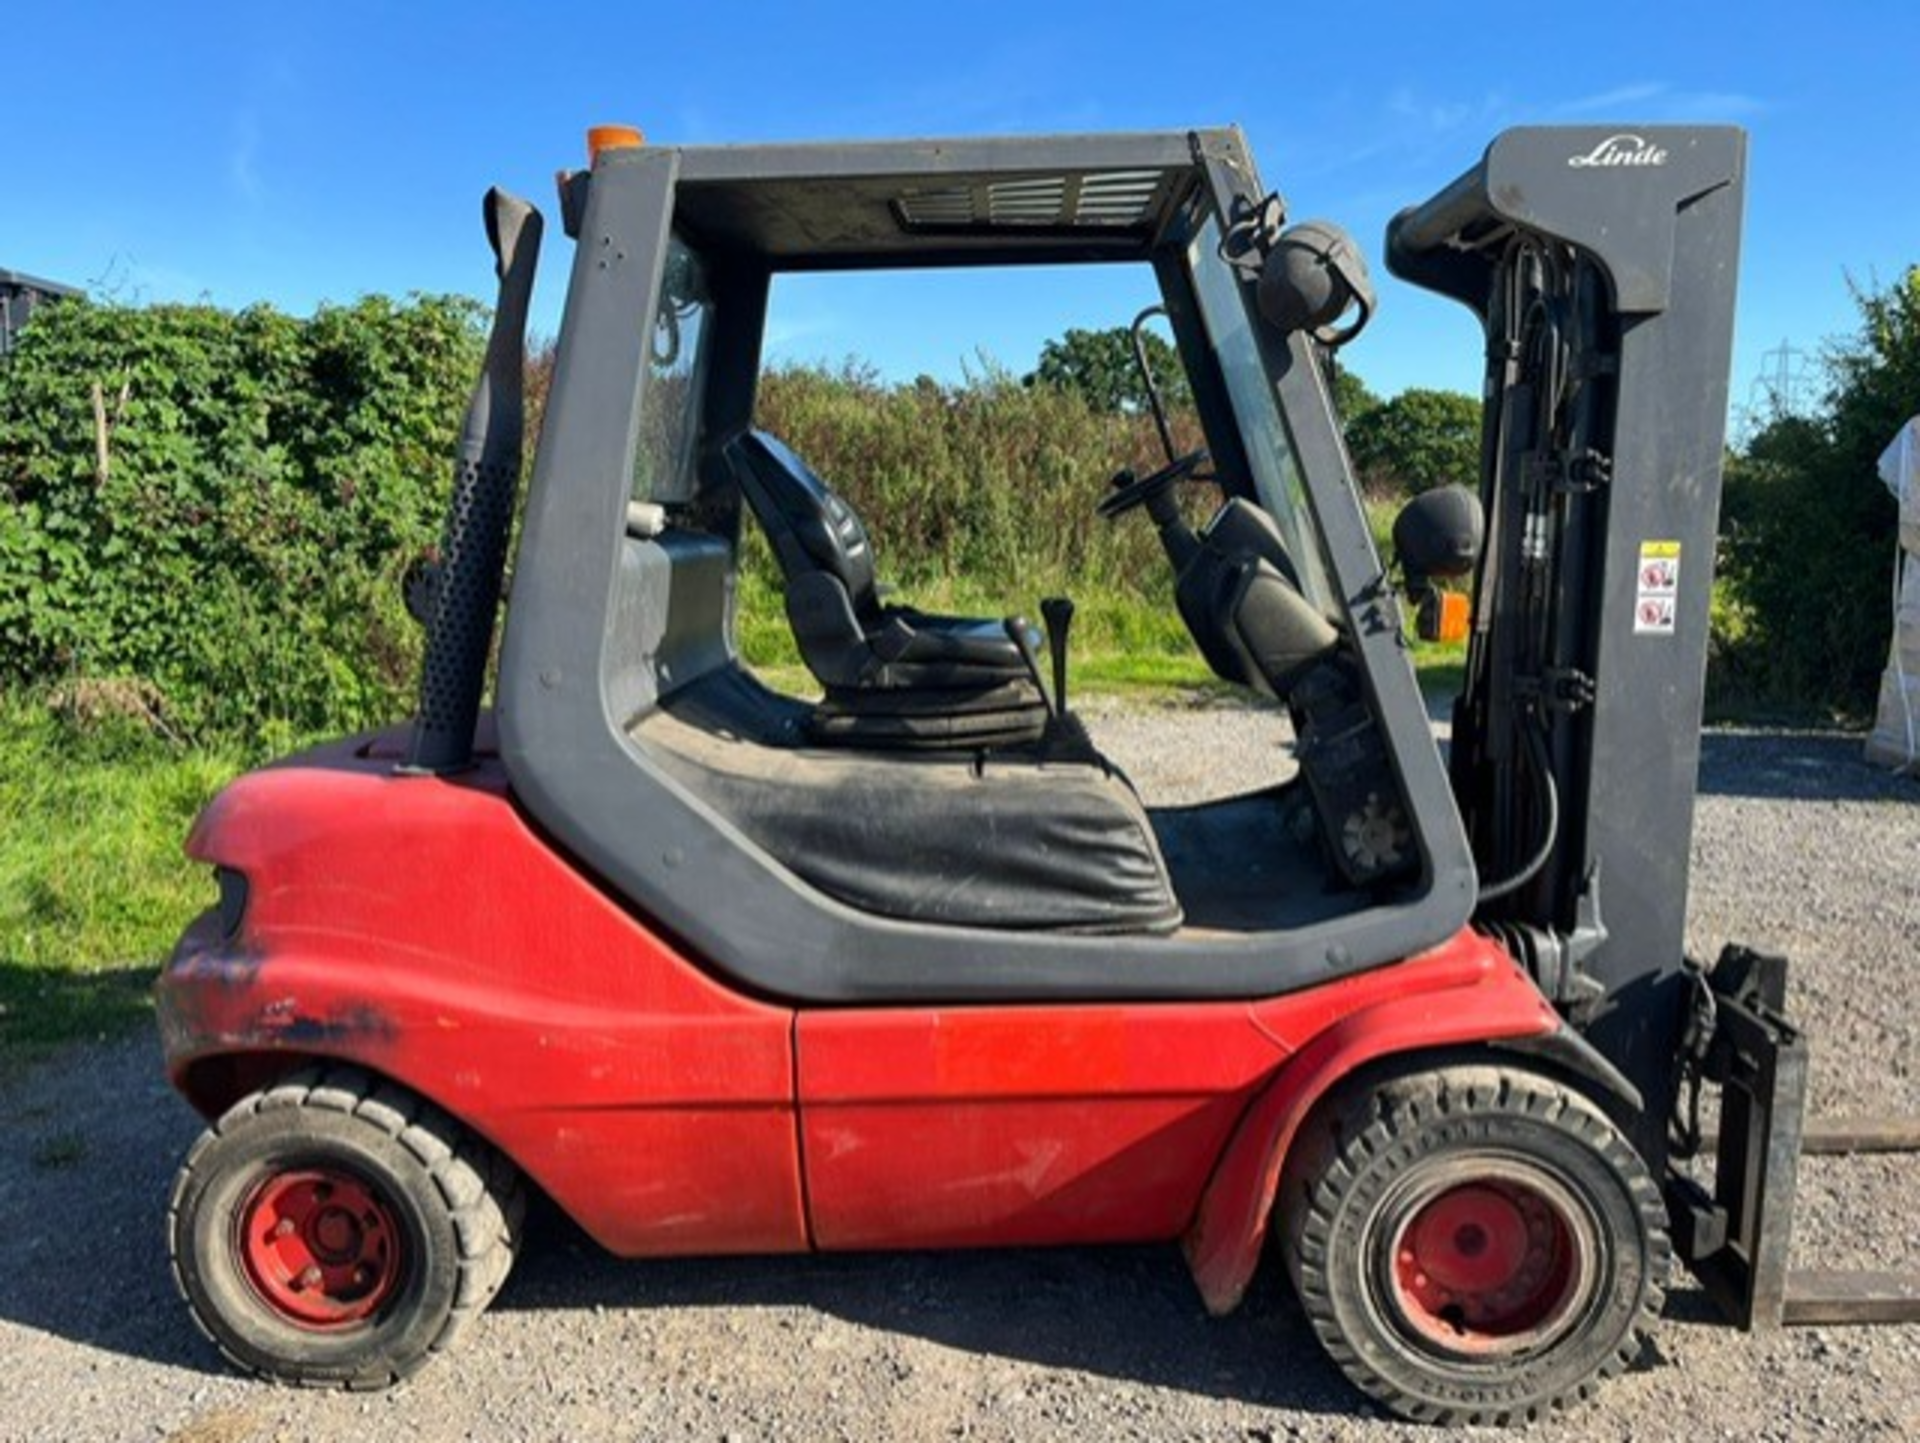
931	718
1003	841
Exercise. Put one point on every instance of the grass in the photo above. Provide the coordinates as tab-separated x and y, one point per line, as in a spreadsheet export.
93	887
1127	638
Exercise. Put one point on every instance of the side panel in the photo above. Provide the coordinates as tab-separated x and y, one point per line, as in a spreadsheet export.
997	1126
1645	765
417	926
994	1126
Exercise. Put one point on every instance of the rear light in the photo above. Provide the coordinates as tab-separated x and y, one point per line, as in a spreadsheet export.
1445	616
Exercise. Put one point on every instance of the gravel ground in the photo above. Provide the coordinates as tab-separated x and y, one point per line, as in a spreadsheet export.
1799	846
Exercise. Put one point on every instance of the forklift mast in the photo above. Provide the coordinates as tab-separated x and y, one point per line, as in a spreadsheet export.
1601	263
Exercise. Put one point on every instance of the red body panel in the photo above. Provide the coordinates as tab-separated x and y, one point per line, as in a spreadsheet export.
945	1127
420	928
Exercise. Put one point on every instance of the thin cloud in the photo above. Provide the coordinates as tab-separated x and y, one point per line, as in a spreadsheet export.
1614	99
1714	105
784	333
1658	100
1439	117
1411	128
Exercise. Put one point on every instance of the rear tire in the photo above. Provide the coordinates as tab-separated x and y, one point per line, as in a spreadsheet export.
336	1231
1474	1244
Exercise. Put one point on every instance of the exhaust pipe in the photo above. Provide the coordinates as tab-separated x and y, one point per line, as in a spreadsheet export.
463	593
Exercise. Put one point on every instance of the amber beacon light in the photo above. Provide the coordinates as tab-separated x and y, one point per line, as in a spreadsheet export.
612	137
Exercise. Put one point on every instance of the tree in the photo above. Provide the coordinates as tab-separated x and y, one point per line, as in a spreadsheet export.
1099	366
1418	440
1352	397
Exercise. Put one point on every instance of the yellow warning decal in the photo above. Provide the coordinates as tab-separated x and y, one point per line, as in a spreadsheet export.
1657	588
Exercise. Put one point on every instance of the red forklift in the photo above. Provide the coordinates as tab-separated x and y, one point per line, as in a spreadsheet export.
718	969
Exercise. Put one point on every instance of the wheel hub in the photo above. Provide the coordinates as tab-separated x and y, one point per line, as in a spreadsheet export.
320	1246
1490	1265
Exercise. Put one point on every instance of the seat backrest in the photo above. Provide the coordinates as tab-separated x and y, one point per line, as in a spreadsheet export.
1241	599
811	527
668	624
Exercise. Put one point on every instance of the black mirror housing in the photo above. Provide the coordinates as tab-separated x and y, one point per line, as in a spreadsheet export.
1438	535
1312	277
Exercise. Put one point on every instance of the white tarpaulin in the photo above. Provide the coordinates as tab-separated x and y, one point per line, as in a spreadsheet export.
1900	469
1896	731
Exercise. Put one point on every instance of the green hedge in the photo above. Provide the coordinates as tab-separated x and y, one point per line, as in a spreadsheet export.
207	512
981	499
230	573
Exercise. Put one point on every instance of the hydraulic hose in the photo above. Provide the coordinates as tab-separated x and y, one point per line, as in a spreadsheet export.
1543	771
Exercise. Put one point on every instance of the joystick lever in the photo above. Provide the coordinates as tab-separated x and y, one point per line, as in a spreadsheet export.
1057	612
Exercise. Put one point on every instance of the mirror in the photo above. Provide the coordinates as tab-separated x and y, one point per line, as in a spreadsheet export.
1437	535
1312	277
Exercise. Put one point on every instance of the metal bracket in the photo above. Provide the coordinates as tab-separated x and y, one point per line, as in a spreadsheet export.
1559	688
1556	961
1737	1238
1569	473
1252	231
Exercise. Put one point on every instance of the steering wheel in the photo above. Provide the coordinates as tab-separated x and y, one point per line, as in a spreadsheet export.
1126	495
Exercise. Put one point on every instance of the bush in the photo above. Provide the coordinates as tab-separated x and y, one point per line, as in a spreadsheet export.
1418	440
229	572
979	495
1803	614
216	507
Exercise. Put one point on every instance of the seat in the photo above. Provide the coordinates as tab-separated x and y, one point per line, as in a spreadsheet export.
1011	840
894	676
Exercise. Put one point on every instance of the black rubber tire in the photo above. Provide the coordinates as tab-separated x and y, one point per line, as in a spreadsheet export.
457	1204
1355	1179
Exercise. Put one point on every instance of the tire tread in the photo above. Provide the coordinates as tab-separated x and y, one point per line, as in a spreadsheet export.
483	1192
1327	1162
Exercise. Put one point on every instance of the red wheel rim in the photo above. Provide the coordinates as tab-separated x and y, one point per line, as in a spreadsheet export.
320	1246
1497	1264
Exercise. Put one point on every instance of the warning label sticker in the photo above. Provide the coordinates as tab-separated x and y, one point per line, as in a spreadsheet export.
1657	591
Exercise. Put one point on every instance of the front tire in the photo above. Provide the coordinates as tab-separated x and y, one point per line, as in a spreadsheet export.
336	1231
1474	1244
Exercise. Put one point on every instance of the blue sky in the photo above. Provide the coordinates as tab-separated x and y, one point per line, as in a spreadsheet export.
302	153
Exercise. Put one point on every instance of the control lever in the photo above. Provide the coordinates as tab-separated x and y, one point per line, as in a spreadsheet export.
1020	633
1064	739
1057	611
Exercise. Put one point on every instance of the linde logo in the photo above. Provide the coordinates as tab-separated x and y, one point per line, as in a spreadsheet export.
1620	150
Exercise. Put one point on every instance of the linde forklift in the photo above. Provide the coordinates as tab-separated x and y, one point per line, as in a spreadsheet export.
721	969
